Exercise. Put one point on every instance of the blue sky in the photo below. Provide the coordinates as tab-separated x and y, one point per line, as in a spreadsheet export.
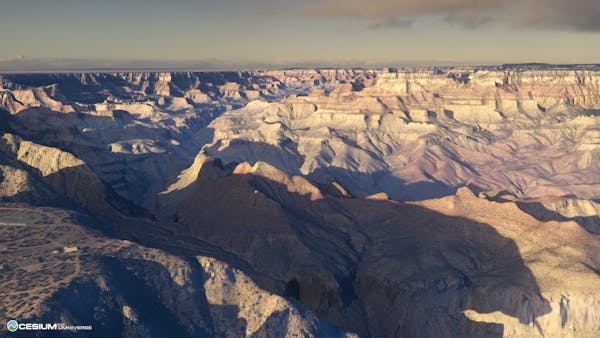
313	32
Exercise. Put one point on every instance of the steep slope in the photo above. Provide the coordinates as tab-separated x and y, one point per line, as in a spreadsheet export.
18	185
563	257
585	212
47	174
379	267
72	275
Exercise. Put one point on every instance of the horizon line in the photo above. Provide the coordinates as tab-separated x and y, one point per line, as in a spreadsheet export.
85	70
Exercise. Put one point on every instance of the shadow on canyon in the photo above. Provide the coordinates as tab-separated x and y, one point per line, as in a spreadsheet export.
130	175
538	211
95	88
287	158
158	307
374	267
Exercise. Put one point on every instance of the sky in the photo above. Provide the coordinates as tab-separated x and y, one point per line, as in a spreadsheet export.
278	33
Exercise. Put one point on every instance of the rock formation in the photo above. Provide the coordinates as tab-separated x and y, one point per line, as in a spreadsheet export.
124	289
420	135
378	267
442	202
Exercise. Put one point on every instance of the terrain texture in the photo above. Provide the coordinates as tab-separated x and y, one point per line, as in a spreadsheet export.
314	203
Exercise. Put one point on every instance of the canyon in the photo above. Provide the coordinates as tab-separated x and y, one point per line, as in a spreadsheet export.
458	201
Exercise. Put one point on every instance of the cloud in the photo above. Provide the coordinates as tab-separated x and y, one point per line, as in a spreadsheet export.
576	15
391	22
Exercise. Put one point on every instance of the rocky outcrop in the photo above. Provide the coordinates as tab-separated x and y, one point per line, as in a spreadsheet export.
456	266
52	169
585	212
124	289
9	103
18	185
561	255
39	97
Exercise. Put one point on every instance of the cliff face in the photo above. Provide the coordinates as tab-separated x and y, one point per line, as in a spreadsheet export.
152	124
419	135
413	135
41	175
18	185
560	263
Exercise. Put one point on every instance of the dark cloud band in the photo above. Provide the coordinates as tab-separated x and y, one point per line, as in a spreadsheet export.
578	15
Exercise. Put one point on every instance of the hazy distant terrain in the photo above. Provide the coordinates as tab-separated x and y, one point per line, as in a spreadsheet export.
405	203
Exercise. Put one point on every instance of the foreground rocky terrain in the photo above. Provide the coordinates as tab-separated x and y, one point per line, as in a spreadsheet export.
56	270
435	202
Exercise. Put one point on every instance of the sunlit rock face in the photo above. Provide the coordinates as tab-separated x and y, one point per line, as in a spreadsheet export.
138	130
418	135
459	202
412	135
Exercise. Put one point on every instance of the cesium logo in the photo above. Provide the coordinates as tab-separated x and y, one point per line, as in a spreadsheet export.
12	325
